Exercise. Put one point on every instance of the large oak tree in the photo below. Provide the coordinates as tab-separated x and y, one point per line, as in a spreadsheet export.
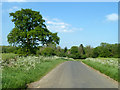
30	31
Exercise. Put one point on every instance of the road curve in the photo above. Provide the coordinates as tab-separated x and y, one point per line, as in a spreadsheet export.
73	74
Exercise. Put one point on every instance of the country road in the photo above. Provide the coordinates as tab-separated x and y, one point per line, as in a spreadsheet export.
73	74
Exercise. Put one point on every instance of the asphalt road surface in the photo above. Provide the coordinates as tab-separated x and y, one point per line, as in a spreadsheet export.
73	74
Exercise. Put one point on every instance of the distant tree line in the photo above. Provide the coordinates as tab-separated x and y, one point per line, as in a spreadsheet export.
76	52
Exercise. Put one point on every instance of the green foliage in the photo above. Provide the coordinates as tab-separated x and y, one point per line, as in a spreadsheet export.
75	56
38	52
6	57
88	51
60	52
83	56
106	50
77	52
9	49
81	50
48	51
95	52
74	52
52	50
74	49
29	31
65	49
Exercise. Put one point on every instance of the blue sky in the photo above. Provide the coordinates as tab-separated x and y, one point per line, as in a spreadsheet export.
86	23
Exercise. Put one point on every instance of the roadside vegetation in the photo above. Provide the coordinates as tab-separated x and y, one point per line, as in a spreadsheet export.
17	74
108	66
6	57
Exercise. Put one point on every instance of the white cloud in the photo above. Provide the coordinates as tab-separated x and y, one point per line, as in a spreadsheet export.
112	17
13	9
14	0
57	25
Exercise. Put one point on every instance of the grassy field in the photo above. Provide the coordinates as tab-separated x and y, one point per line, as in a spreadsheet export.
108	66
17	74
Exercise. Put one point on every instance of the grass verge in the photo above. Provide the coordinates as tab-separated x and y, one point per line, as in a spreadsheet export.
18	78
110	71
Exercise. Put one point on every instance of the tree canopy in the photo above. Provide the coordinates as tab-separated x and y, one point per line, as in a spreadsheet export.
30	31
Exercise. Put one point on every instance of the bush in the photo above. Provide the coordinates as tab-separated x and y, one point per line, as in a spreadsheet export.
7	57
48	51
9	49
74	53
83	57
60	53
75	56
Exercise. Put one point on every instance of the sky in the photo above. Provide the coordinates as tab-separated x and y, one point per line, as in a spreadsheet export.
60	0
87	23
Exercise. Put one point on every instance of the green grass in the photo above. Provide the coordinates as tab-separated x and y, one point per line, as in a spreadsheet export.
110	71
18	78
